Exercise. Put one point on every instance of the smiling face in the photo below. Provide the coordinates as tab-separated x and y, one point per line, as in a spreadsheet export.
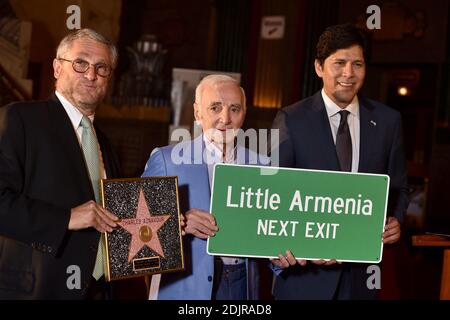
221	111
84	90
343	74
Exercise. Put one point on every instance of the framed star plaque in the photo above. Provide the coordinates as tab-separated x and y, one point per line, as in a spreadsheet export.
147	239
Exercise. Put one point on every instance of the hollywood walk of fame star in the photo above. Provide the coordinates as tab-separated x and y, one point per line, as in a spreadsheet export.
144	229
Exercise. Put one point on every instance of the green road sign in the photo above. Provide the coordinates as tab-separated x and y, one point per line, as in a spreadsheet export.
315	214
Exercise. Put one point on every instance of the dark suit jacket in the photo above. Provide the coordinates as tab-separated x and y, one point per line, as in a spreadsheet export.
306	142
42	176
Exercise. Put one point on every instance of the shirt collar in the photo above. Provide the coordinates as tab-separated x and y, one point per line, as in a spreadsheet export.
74	114
333	108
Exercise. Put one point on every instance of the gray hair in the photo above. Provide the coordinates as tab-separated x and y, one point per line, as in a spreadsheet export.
66	43
215	79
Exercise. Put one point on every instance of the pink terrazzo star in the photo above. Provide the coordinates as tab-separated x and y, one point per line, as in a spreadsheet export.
143	219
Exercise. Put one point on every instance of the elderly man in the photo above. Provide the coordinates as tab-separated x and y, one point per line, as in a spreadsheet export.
220	110
51	160
336	129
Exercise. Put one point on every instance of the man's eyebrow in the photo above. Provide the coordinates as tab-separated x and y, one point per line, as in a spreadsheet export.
84	55
238	105
215	104
344	60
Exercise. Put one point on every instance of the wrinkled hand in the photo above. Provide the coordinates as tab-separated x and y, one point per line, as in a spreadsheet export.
287	260
322	262
200	224
182	224
91	214
392	231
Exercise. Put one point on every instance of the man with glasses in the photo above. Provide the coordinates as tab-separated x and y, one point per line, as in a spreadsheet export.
52	158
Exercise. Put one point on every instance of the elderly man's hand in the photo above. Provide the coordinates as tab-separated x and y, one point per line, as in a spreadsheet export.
200	224
91	214
287	260
322	262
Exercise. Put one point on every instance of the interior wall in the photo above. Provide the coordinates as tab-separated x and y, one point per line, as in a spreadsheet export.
183	27
400	19
48	18
412	41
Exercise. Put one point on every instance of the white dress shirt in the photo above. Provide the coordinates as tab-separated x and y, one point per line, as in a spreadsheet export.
75	117
353	123
215	155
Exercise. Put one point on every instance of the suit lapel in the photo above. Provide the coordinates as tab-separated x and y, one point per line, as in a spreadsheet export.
367	133
69	145
198	160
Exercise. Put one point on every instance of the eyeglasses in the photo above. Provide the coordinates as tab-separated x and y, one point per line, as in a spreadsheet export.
81	66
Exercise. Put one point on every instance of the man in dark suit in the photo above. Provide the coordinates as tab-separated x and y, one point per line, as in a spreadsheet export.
50	167
336	129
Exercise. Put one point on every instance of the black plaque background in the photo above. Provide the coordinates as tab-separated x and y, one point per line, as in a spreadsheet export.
121	198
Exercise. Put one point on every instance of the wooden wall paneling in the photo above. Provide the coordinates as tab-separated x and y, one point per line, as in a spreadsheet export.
278	60
232	37
319	15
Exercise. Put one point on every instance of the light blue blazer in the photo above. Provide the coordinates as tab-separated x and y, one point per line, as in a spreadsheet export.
196	282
